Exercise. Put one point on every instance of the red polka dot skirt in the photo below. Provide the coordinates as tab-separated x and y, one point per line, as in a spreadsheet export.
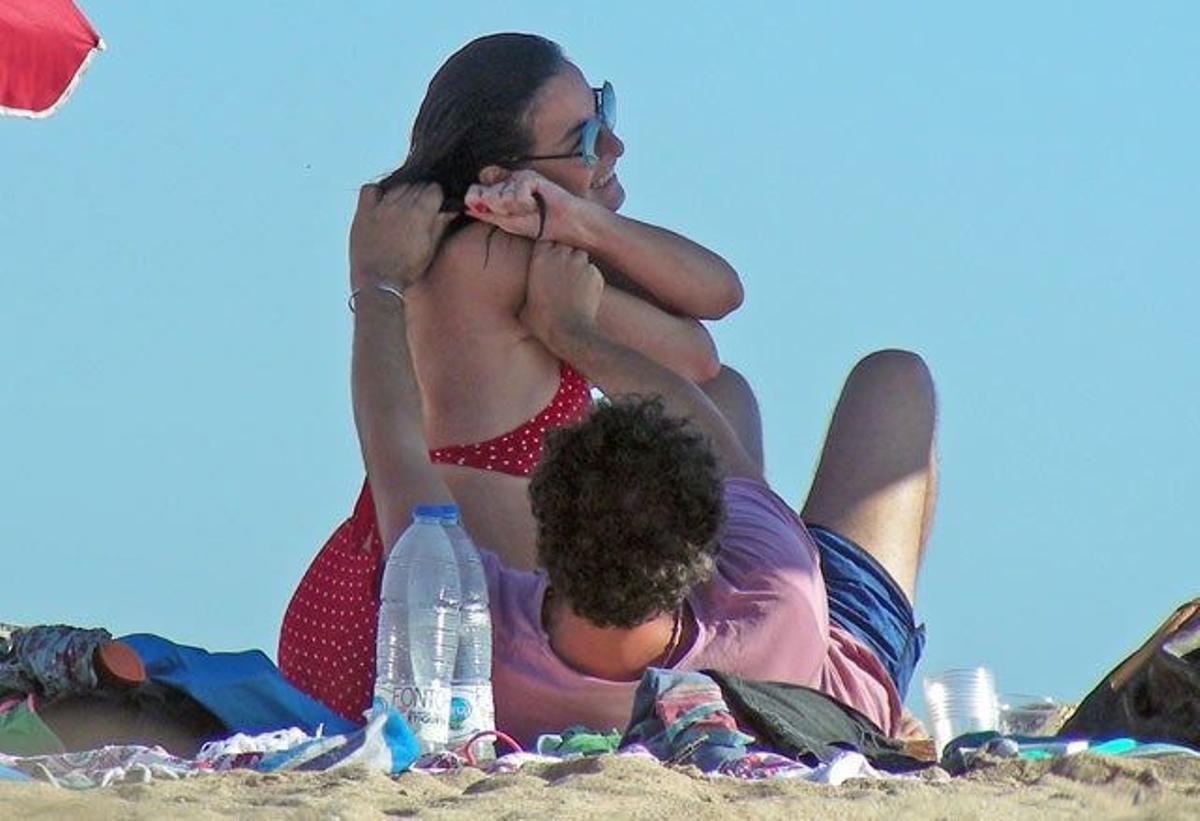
327	641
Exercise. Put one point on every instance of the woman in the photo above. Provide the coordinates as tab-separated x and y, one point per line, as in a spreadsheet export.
496	139
511	129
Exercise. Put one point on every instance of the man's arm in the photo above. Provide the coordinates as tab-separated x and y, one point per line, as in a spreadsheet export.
392	241
681	343
562	300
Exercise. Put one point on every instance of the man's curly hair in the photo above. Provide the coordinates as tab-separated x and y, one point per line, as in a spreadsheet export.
628	504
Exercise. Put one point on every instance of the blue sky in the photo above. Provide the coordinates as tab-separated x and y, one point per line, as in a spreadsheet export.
1010	192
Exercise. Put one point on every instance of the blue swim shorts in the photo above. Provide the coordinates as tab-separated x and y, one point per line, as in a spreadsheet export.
866	602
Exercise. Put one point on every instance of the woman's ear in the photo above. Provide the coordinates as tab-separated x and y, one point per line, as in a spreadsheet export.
492	174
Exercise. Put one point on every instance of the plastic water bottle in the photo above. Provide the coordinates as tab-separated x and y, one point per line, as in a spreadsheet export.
472	709
419	615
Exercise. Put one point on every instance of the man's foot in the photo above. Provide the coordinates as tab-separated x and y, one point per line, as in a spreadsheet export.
118	665
917	742
911	728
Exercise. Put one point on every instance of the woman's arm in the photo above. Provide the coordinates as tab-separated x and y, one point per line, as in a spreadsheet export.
681	275
680	343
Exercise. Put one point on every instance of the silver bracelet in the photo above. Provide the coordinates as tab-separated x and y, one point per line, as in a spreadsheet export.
382	286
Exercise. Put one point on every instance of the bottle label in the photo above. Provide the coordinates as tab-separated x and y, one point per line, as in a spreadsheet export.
426	709
471	711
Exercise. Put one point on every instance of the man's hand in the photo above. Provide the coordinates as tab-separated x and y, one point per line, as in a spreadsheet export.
561	300
562	294
512	205
395	235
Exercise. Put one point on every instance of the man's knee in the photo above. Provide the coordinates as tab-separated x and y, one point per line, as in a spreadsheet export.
729	383
893	370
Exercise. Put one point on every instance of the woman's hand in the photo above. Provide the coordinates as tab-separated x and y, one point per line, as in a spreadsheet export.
394	236
512	205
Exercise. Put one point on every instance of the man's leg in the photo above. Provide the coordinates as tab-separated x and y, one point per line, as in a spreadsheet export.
877	480
732	395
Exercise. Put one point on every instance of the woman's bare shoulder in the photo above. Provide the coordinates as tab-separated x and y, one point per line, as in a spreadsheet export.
481	249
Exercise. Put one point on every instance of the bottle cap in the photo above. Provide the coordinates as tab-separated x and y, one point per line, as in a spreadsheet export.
439	511
443	513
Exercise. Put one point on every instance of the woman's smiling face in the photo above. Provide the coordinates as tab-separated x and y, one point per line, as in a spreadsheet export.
556	118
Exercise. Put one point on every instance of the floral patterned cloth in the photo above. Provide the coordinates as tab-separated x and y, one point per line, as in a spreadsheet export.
105	766
49	661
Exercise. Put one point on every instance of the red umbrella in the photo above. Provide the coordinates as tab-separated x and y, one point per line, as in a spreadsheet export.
45	45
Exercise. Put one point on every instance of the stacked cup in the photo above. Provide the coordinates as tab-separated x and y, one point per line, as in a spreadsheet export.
961	701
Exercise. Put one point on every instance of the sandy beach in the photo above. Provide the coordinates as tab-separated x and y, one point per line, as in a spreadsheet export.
614	787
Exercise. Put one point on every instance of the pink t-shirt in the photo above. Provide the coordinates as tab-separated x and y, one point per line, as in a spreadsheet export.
764	615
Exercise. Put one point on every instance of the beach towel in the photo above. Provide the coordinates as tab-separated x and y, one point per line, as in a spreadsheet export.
385	743
102	767
189	697
9	774
244	690
966	751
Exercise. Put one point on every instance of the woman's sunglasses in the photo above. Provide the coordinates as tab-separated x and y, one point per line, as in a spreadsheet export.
589	136
589	139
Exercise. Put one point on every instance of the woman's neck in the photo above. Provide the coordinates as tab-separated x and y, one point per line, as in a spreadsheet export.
612	653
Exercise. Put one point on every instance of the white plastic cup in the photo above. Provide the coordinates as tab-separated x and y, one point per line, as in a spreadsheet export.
961	701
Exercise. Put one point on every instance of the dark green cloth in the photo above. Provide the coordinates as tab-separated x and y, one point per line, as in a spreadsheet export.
579	741
808	725
22	732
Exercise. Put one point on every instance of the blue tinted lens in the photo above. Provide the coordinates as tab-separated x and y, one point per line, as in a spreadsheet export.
588	139
608	106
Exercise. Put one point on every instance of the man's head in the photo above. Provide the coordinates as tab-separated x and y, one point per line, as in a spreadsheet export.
628	504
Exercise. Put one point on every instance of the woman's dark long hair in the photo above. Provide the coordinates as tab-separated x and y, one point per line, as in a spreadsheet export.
475	111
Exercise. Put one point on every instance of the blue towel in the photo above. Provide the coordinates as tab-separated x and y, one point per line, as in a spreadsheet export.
9	774
245	691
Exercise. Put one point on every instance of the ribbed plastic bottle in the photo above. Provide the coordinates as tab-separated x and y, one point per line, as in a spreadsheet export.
472	709
419	617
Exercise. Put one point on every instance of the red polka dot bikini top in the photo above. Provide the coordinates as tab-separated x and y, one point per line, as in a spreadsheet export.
518	451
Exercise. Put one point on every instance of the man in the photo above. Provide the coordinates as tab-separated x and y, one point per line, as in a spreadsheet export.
662	544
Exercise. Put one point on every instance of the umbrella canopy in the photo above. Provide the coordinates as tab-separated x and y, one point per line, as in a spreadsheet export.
45	45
